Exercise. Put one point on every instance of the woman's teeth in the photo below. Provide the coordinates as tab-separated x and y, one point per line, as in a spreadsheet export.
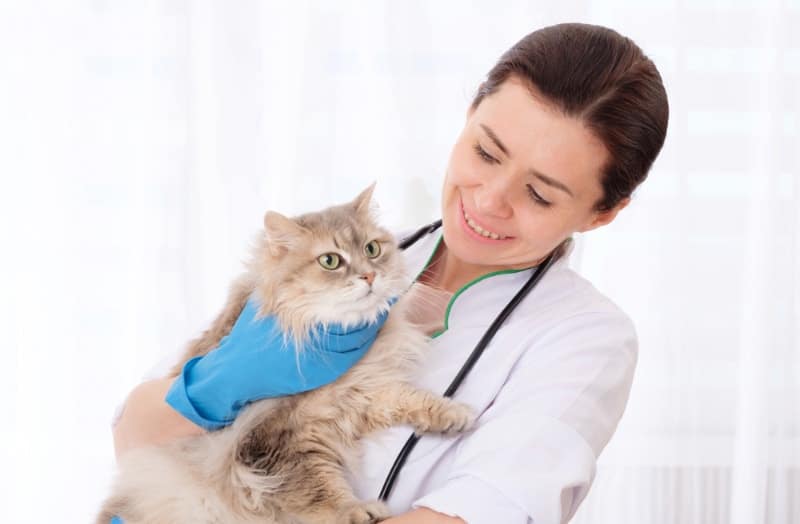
478	229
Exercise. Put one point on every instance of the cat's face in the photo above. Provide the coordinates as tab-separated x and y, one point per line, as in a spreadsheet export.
336	265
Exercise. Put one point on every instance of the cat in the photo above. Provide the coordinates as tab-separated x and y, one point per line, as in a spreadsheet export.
283	460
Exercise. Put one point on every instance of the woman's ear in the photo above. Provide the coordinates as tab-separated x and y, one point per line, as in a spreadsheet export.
605	217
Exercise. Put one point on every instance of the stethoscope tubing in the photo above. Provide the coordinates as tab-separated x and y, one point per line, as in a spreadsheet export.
537	275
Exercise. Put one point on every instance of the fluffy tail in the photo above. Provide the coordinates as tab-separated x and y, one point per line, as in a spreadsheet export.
244	487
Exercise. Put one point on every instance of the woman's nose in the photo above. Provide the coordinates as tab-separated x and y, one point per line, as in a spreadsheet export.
492	198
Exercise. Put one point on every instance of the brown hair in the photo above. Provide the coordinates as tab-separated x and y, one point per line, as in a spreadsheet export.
603	78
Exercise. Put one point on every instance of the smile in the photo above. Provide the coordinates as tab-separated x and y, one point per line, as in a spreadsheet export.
478	229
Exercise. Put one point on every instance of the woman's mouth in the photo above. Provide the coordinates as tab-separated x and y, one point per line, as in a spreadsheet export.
471	226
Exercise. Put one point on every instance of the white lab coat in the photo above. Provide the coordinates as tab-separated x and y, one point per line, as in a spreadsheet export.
550	389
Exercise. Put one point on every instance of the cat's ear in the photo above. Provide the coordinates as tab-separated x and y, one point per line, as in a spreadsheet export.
363	202
282	233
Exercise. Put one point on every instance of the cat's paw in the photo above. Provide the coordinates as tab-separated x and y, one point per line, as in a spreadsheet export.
450	418
363	513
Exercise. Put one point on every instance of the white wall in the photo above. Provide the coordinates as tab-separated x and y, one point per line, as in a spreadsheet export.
141	143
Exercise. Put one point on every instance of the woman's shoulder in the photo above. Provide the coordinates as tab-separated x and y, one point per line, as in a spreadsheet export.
565	300
579	295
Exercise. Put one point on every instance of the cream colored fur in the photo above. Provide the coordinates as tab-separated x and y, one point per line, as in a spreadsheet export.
283	459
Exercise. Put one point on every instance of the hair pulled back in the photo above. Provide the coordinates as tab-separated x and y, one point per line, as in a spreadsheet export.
603	79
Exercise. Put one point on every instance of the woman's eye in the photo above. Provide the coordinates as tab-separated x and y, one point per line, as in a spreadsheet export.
329	260
372	249
484	155
536	197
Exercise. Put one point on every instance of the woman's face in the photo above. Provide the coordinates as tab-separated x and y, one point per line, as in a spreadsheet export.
525	175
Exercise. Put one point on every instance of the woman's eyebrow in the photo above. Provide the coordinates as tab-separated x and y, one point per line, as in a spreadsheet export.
496	140
551	182
544	178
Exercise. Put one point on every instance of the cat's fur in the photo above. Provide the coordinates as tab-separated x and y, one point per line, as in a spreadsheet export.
283	459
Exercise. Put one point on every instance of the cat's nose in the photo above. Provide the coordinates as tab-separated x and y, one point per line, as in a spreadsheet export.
369	277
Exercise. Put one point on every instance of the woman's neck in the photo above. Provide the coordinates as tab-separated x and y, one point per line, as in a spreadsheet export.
448	272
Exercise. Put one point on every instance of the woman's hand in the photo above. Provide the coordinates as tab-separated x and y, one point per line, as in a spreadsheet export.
254	361
258	360
148	420
423	516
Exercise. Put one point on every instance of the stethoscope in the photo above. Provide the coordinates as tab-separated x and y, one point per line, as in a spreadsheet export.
541	269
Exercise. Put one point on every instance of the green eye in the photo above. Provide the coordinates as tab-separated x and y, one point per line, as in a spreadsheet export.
329	260
372	249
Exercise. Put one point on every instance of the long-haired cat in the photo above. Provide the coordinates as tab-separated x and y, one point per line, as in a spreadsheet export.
283	459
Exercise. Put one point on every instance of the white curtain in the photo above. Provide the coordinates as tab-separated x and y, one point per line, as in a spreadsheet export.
141	143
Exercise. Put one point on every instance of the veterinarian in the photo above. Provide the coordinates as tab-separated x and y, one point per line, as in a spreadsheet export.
563	129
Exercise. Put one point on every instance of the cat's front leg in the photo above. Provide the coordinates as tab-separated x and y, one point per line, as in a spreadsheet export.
355	512
358	512
427	412
323	496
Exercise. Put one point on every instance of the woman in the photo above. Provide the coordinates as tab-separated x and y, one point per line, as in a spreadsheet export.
565	127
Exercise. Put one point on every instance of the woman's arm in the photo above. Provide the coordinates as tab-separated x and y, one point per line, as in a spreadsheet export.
531	456
147	419
423	516
252	362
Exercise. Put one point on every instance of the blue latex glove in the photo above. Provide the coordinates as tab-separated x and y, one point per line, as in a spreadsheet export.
254	362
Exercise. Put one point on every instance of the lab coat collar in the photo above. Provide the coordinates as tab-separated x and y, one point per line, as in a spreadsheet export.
478	302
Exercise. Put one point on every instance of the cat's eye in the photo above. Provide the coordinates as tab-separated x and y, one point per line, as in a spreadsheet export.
372	249
329	260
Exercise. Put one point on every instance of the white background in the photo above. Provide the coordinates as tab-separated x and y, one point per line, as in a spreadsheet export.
142	142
